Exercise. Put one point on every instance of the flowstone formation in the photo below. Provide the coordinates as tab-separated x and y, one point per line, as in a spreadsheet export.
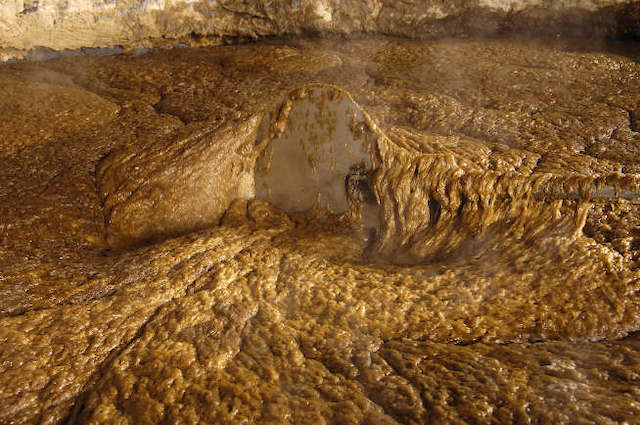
454	249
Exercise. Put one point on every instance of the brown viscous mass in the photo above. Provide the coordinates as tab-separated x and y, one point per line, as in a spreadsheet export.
140	283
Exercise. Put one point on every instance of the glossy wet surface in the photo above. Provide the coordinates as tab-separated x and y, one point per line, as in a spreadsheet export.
139	282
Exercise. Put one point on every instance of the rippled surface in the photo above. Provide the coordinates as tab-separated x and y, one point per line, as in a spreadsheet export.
140	283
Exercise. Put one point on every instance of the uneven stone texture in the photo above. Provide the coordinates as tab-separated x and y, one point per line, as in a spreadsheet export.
477	302
69	110
134	23
138	184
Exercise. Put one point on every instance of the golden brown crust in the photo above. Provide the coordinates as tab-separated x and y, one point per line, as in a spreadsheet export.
488	295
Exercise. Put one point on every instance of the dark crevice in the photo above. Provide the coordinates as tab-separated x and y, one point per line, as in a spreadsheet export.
463	202
435	209
634	120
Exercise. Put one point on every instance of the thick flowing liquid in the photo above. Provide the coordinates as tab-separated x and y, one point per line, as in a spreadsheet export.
160	263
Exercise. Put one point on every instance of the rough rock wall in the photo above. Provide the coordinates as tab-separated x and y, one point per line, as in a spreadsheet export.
72	24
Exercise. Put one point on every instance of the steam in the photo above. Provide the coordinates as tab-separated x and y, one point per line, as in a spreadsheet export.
310	151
